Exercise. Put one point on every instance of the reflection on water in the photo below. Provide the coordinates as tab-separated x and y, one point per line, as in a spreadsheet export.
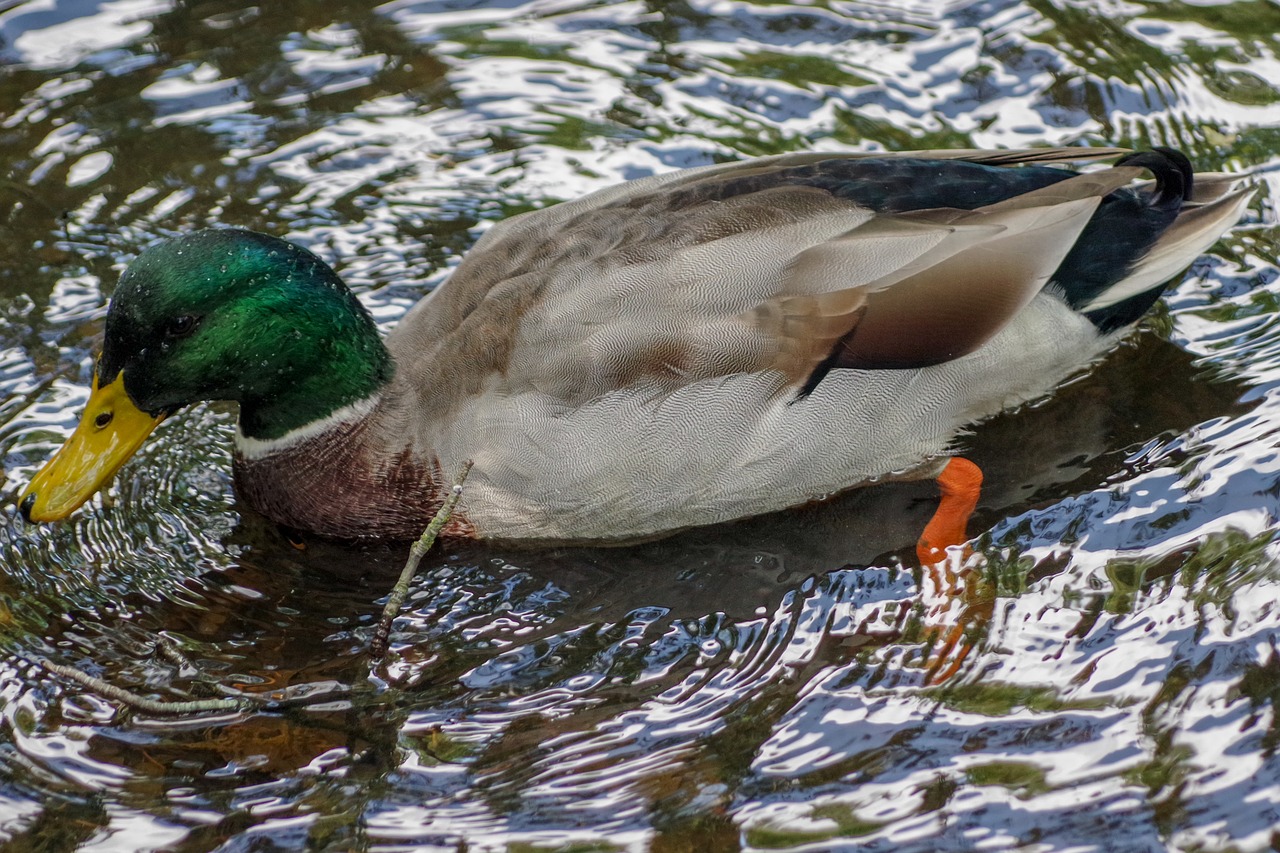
759	685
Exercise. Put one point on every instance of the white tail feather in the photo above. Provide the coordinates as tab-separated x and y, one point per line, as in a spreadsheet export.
1194	231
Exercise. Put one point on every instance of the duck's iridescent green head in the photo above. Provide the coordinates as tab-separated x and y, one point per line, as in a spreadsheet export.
234	315
215	315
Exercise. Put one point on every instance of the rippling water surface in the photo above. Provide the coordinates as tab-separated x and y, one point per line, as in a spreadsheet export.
764	685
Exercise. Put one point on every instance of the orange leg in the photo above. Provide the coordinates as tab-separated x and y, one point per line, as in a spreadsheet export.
960	483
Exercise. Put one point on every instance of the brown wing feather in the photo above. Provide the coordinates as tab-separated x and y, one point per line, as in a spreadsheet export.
944	312
917	311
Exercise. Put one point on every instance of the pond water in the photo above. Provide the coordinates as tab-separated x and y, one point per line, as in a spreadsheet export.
762	685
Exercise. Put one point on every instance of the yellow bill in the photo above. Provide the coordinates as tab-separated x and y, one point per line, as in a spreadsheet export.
111	430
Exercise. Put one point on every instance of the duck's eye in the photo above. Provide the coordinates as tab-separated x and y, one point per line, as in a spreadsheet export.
103	419
180	327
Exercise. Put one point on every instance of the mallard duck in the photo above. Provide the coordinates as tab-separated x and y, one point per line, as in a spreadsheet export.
675	351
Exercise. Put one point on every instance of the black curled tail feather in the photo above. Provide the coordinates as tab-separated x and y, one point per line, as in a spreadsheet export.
1126	225
1172	170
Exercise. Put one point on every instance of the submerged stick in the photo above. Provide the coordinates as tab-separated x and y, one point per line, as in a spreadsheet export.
241	701
382	636
151	706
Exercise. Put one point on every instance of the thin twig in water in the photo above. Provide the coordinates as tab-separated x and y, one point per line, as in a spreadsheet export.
170	650
241	701
152	706
382	636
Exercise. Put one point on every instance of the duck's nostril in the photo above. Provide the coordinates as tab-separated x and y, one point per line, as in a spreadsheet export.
28	503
